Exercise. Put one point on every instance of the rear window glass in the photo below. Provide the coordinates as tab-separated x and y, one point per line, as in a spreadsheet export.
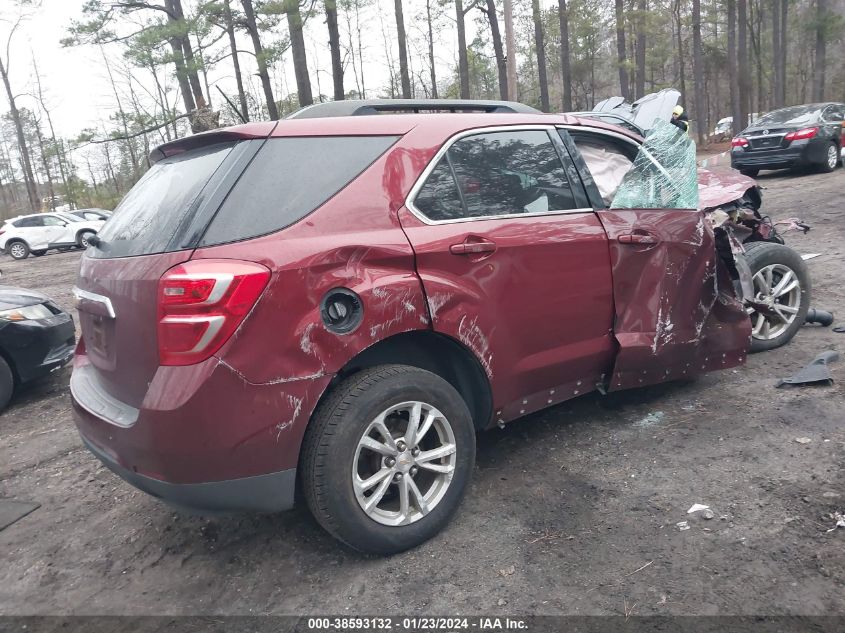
148	216
288	179
796	115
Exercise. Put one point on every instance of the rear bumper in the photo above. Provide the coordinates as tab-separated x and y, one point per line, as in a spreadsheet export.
273	492
203	437
798	154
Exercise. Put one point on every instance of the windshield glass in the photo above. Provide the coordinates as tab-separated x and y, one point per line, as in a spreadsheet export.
664	175
797	115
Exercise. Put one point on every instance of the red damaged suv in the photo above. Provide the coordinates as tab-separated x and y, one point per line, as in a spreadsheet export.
339	303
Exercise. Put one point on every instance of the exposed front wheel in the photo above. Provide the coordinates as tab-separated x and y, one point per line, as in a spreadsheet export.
387	458
782	290
18	250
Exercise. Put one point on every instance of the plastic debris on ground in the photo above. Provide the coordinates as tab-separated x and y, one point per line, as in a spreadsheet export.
822	317
682	525
816	372
803	440
840	521
650	420
697	507
810	256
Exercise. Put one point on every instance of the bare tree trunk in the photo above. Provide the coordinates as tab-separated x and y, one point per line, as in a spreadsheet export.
236	64
431	50
821	51
252	27
733	75
681	64
742	60
565	58
463	62
300	58
498	49
60	158
404	78
129	144
642	7
784	48
26	162
46	164
621	57
510	43
698	69
334	47
176	15
777	56
539	41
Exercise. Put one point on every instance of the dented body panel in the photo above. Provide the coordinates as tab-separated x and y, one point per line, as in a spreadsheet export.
560	307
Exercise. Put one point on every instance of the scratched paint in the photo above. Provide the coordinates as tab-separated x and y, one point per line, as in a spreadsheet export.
473	337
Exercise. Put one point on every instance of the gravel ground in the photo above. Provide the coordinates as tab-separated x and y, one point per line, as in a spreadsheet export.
570	511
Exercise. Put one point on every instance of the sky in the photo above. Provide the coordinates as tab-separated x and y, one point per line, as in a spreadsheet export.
79	94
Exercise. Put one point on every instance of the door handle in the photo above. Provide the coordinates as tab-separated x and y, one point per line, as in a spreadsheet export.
638	238
472	248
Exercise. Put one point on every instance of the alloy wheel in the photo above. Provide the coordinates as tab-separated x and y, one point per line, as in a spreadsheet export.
832	157
778	288
404	463
17	250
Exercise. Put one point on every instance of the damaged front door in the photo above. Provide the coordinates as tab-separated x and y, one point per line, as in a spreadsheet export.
675	312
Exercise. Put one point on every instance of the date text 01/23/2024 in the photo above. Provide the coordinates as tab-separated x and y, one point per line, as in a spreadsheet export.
444	624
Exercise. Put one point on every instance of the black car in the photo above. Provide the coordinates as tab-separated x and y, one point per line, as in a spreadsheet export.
797	136
37	337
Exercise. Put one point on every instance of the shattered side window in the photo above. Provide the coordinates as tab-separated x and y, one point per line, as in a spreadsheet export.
664	175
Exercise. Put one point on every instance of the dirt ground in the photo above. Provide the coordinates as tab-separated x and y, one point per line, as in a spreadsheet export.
570	511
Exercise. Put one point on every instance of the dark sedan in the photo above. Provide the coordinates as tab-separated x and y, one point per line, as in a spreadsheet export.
37	337
797	136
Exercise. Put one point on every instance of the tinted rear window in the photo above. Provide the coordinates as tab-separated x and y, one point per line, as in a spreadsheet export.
147	218
796	115
288	179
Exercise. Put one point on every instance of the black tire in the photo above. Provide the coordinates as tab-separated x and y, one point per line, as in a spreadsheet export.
762	254
82	238
39	252
331	442
18	249
7	383
751	173
825	166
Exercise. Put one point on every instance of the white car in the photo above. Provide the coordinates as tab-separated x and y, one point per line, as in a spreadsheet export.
39	232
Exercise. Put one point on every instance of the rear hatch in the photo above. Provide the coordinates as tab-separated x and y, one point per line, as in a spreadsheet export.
155	227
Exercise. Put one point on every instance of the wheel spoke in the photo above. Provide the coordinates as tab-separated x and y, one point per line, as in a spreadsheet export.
779	292
365	484
419	499
786	308
758	323
382	429
413	424
426	426
435	453
376	446
443	469
377	496
404	501
767	279
764	331
787	278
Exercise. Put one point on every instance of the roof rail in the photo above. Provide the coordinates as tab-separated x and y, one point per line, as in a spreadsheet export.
359	107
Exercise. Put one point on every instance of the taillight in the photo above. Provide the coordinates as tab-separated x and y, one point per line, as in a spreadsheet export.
201	303
807	132
739	141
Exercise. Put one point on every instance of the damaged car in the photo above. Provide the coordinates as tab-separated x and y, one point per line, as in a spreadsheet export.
338	304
